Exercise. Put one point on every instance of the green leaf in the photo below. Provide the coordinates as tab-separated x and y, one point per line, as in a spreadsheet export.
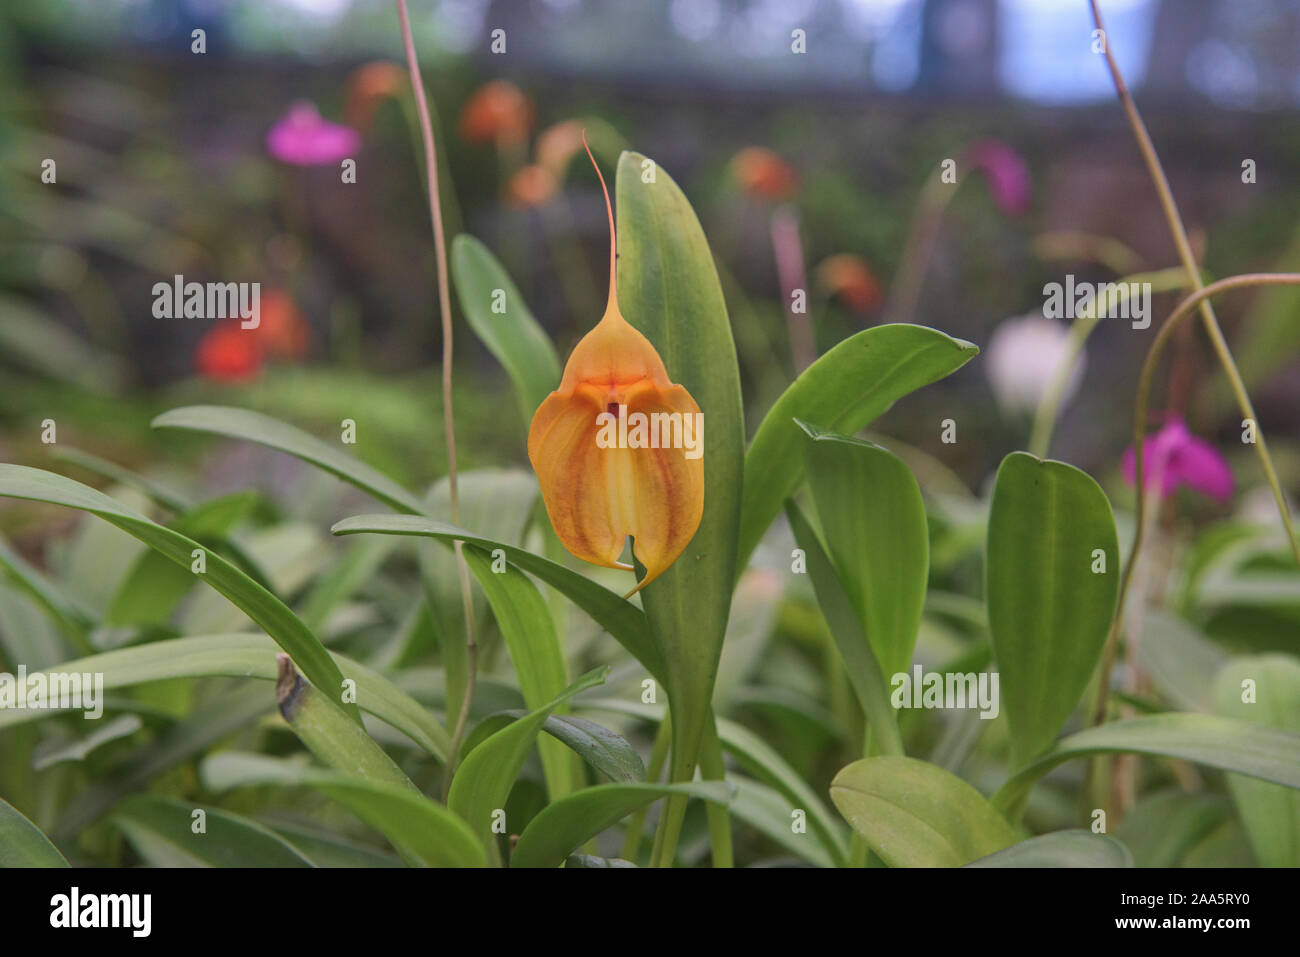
605	750
771	813
1271	814
161	831
1077	848
512	336
155	585
161	494
73	619
326	731
668	288
535	652
1180	660
1224	743
329	850
422	831
264	430
17	481
619	617
759	759
873	521
1165	826
239	656
484	779
22	844
569	822
1050	526
861	664
915	814
845	389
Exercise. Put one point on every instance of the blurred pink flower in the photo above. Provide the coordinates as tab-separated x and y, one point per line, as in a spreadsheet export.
1175	457
1006	172
302	138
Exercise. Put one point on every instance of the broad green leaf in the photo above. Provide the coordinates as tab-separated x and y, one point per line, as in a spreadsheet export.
22	844
161	831
509	331
529	634
422	831
239	656
873	522
1224	743
1052	577
264	430
260	605
1077	848
668	288
861	664
915	814
484	779
1264	689
845	389
619	617
330	850
567	823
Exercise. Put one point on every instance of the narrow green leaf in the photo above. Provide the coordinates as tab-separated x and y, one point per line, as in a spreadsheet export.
1264	689
668	288
326	731
1053	574
22	844
623	620
73	619
239	656
873	521
508	330
422	831
569	822
606	751
162	832
529	633
845	389
860	662
915	814
264	430
771	813
1076	848
484	779
1224	743
17	481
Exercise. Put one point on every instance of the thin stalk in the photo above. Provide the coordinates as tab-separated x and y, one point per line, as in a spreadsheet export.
1185	253
919	247
448	416
1049	406
1176	318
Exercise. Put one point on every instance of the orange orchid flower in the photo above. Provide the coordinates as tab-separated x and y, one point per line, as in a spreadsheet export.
618	447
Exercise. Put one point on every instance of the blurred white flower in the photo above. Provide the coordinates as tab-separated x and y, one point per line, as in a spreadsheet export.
1023	358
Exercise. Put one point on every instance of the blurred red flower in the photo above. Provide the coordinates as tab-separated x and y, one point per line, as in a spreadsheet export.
497	112
851	279
283	332
368	87
227	353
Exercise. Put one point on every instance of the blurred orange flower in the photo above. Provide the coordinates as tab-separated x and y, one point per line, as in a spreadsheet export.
283	332
227	353
557	145
530	186
763	174
851	279
368	87
497	112
602	477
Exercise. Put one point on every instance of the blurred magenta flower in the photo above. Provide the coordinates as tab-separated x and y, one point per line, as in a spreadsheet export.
303	138
1024	356
1174	457
1006	172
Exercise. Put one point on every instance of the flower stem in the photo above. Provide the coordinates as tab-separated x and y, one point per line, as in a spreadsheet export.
449	418
1179	232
